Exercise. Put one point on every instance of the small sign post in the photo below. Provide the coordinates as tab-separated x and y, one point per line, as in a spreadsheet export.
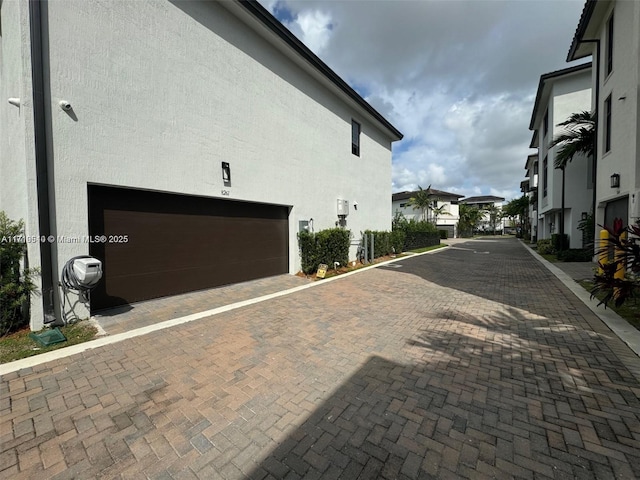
322	270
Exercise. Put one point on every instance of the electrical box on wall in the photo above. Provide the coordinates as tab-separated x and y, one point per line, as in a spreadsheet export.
635	204
343	207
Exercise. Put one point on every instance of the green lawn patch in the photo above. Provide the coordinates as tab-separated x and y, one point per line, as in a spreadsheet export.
20	345
630	310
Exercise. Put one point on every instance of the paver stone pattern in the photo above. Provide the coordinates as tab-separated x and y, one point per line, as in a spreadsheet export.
471	363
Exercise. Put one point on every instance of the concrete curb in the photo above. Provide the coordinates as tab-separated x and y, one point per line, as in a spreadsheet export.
618	325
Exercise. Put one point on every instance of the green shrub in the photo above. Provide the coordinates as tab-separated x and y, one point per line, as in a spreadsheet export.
397	241
325	246
444	234
16	282
544	246
575	255
416	234
381	243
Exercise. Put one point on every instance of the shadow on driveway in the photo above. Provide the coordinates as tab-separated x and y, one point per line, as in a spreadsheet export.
543	399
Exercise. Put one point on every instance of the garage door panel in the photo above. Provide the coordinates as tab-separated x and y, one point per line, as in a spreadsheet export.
176	244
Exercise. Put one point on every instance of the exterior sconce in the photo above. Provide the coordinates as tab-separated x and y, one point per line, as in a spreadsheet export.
585	215
226	174
615	180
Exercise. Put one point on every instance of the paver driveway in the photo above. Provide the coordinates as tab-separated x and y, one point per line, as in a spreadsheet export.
474	362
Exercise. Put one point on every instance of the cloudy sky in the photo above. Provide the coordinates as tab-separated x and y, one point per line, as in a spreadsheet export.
457	77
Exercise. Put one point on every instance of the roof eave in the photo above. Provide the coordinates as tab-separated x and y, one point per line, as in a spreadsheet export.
592	18
276	27
543	92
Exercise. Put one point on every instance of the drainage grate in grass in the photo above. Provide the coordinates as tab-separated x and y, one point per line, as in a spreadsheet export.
49	337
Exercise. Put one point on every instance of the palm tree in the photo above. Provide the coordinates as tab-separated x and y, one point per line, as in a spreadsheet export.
422	200
438	212
469	219
578	138
495	214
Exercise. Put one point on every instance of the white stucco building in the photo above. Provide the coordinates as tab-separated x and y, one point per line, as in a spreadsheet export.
482	203
529	187
560	94
194	136
609	31
446	201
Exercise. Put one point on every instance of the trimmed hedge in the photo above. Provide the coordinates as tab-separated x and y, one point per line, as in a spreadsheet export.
385	243
417	234
544	246
417	240
325	246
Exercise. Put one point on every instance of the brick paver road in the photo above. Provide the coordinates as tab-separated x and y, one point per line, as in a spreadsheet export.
474	362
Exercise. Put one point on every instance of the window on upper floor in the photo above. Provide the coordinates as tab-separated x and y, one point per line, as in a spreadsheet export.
607	124
545	124
609	52
355	138
545	178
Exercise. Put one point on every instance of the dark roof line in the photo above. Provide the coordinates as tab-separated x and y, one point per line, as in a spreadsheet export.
432	191
271	22
585	17
482	198
548	76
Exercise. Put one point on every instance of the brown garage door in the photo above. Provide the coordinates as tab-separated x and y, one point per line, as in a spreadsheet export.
161	244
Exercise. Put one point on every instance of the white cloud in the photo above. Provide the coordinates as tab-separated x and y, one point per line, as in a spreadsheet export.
457	77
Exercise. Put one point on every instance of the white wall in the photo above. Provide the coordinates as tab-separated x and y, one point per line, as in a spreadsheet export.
17	155
162	93
622	84
567	95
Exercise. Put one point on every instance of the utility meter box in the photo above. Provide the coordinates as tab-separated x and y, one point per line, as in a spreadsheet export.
87	270
635	204
343	207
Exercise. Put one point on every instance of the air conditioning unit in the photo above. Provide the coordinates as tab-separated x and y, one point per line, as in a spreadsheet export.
343	208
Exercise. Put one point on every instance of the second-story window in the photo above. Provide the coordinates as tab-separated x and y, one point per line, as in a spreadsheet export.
355	138
544	177
607	124
609	57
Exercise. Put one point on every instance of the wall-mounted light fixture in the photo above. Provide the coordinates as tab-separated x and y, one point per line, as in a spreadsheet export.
585	215
226	174
14	101
615	180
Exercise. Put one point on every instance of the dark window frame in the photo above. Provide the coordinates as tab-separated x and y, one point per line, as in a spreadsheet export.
607	124
545	124
356	130
609	53
545	176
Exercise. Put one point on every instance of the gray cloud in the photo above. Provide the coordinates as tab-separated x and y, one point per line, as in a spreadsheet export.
458	77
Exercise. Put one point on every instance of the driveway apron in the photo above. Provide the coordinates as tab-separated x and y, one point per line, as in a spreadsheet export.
474	362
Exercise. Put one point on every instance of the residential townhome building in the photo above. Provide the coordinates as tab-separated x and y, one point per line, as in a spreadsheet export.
444	202
183	144
485	203
529	187
609	32
560	94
